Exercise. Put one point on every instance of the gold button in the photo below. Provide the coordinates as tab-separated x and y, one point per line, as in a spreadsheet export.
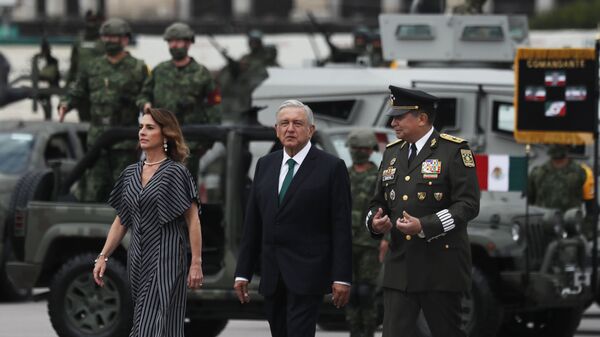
447	246
408	237
430	183
407	178
405	197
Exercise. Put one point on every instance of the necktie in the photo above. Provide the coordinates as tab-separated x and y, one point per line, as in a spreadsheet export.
413	153
288	179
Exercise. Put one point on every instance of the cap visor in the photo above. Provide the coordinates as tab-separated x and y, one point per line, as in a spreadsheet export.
395	112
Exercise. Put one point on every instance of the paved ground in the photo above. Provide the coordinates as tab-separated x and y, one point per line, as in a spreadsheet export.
30	319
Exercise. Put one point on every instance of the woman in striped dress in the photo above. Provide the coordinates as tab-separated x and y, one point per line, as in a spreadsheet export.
157	201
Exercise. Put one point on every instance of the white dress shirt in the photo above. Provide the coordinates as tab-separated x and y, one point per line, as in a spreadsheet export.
298	158
421	142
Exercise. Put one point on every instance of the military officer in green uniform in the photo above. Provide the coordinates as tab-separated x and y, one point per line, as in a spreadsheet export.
111	83
361	312
87	47
183	86
426	193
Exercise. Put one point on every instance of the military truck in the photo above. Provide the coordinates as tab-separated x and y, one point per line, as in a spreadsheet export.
521	283
62	236
29	146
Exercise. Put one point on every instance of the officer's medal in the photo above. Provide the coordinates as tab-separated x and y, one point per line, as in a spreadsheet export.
431	168
388	174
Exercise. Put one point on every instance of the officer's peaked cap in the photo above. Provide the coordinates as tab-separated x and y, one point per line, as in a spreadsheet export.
404	100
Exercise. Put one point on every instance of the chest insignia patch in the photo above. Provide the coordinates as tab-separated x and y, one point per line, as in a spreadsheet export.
388	174
467	157
431	166
393	161
392	195
438	196
421	195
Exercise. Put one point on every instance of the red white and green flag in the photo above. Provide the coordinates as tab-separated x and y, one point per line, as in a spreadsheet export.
501	172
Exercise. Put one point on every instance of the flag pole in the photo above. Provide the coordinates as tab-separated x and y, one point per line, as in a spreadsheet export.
595	206
526	231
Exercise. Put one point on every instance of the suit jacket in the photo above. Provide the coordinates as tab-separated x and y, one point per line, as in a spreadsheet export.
307	238
440	187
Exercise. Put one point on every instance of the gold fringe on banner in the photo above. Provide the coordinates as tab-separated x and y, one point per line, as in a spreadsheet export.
554	137
564	53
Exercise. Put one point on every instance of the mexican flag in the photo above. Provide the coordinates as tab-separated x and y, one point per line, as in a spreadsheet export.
498	172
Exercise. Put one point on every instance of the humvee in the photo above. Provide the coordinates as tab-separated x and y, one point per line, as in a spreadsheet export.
521	282
61	236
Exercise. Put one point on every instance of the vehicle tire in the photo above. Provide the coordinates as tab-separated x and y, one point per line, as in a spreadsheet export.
556	322
33	185
204	327
78	307
481	313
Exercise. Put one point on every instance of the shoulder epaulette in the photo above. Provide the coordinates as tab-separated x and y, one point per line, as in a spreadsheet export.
394	143
452	138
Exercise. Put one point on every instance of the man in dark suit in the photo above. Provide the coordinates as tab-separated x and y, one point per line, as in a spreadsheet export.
426	192
298	223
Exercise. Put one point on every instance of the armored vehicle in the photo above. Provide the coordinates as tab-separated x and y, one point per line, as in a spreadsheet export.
29	147
521	280
62	236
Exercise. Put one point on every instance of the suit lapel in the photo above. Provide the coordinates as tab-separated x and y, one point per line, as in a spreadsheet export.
425	151
304	171
274	181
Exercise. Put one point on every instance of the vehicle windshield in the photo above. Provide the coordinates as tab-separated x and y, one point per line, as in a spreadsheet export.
15	152
383	138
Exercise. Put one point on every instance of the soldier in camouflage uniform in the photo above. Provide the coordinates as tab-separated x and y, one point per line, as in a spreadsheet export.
561	183
361	312
239	79
87	47
111	83
183	86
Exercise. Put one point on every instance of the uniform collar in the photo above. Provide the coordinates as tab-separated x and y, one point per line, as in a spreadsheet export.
421	142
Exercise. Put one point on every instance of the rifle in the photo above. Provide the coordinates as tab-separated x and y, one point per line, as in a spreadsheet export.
234	66
338	55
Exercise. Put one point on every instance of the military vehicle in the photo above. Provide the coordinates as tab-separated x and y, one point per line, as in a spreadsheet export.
531	274
29	148
61	236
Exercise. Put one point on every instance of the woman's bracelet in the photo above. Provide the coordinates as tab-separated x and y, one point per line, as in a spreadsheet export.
101	255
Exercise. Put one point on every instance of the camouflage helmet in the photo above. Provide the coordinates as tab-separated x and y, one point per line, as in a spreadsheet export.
115	26
179	31
558	151
255	34
362	138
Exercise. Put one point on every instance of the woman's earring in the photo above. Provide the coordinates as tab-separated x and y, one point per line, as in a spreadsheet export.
165	146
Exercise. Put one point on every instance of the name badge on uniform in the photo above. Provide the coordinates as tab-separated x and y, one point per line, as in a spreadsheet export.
431	168
388	174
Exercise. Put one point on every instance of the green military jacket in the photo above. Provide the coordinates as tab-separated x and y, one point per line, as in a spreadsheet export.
82	53
441	189
189	91
111	90
560	188
362	185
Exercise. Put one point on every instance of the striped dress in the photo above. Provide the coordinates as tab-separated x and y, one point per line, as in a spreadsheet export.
157	258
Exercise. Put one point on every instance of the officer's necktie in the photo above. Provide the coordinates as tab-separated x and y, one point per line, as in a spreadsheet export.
288	179
413	153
